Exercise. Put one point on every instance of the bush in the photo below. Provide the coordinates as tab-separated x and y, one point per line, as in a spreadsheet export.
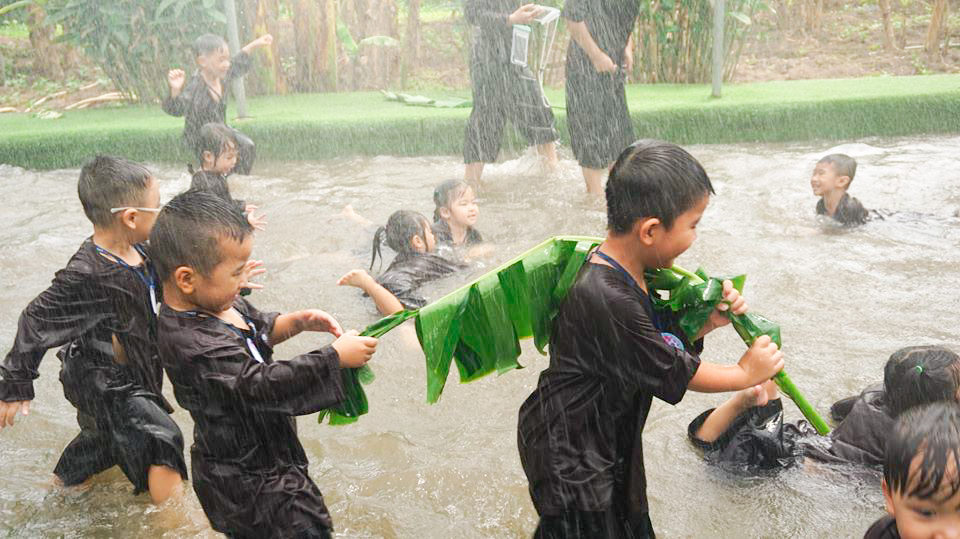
135	42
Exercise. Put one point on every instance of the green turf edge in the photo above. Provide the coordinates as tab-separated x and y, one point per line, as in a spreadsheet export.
378	128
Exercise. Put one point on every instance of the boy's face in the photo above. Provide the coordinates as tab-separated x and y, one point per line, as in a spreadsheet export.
932	518
144	220
215	63
826	179
668	244
215	292
464	210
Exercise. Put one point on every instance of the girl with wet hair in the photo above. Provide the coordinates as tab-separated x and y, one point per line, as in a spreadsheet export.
455	214
748	430
410	235
217	153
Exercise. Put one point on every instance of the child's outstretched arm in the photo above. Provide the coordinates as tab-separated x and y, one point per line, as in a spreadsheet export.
760	363
723	416
290	324
262	41
175	104
386	302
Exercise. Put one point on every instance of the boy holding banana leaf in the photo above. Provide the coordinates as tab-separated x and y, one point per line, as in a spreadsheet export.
611	352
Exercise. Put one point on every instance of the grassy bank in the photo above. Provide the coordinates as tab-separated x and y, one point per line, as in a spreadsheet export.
321	126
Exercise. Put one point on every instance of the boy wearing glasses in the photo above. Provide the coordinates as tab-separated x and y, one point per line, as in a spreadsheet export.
101	308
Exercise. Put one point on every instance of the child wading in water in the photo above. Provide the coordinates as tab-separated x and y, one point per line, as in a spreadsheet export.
831	179
249	469
921	476
747	431
204	99
580	431
409	234
217	152
102	306
455	214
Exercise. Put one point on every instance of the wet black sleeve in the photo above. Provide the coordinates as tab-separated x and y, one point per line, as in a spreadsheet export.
757	438
403	287
264	321
178	106
486	13
885	528
641	355
577	10
852	212
239	66
303	385
66	310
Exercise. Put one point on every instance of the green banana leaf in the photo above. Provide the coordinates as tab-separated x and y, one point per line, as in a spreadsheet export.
479	325
355	403
695	295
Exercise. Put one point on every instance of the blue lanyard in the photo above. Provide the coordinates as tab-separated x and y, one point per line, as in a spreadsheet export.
146	276
251	346
655	318
616	265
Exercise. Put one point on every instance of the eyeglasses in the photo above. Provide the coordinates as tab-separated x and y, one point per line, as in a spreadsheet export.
121	208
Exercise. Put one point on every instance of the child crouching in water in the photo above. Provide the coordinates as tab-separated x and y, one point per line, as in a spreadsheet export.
748	430
831	179
921	476
217	153
249	469
410	235
455	217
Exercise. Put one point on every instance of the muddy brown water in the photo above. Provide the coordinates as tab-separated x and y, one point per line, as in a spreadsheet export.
845	298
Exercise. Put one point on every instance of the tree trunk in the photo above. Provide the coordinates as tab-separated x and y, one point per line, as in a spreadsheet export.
381	61
412	47
45	59
270	71
886	9
937	28
314	25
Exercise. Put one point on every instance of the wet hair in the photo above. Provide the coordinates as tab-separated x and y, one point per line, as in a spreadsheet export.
446	194
843	164
189	230
918	375
111	182
215	138
208	43
401	227
653	178
932	433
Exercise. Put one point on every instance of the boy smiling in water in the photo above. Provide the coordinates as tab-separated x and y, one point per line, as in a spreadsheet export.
831	179
580	431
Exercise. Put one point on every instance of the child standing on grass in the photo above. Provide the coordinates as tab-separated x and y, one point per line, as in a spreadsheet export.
921	476
204	99
249	469
102	306
217	152
409	234
831	179
580	431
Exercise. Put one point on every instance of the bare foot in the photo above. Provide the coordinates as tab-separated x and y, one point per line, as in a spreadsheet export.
349	213
354	278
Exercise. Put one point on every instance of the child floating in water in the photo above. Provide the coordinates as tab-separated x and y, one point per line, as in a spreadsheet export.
921	475
410	235
217	152
249	469
831	179
204	99
747	431
456	214
580	431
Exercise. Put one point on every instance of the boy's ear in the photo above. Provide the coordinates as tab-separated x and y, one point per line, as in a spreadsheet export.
843	181
888	498
418	244
128	218
185	278
646	228
208	157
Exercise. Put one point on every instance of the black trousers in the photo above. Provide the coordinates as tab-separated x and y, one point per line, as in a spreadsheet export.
600	125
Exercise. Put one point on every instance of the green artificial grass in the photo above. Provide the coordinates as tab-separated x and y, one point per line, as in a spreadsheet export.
322	126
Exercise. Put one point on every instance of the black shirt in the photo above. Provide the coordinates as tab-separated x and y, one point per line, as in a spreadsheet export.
610	23
409	271
885	528
205	180
441	231
849	211
198	105
89	302
492	43
580	431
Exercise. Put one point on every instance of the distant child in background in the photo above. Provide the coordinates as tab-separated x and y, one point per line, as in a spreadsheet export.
217	153
409	234
456	214
204	99
921	476
103	307
748	430
580	432
831	179
249	469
